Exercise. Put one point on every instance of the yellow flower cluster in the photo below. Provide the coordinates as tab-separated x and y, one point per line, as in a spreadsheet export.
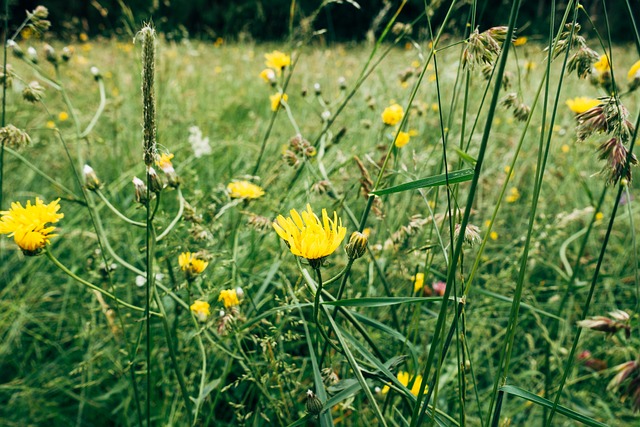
191	264
307	236
581	104
28	224
404	379
229	298
392	115
244	190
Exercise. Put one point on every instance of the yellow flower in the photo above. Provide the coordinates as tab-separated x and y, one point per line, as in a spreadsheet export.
493	235
164	162
51	124
392	115
599	216
201	309
565	148
275	100
520	41
634	72
277	60
219	42
244	190
402	139
602	66
63	116
418	282
404	379
513	196
28	224
307	236
268	75
83	37
229	298
191	264
581	104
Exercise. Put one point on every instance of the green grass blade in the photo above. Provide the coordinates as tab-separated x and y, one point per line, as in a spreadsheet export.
432	181
379	301
534	398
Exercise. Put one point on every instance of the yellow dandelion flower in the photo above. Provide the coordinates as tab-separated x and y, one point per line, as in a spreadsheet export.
404	379
201	309
408	46
26	33
217	69
63	116
530	66
244	190
432	77
83	37
307	236
602	66
191	264
275	100
415	63
402	139
28	224
268	75
392	115
164	162
634	72
277	60
565	148
51	124
219	42
229	298
581	104
418	282
599	216
520	41
514	195
493	235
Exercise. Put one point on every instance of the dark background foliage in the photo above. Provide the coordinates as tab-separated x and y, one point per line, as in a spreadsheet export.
269	19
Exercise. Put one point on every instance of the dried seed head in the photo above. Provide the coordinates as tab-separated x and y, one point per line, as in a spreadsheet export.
582	62
13	137
33	92
141	190
91	180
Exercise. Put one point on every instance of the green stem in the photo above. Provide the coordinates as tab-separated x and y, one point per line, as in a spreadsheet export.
175	220
117	212
96	116
90	285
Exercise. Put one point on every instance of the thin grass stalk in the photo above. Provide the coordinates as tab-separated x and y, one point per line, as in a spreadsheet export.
543	153
421	407
4	96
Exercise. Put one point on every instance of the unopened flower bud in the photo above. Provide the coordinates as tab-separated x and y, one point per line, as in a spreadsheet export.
239	292
33	92
317	89
141	190
40	12
50	54
14	137
357	245
67	53
342	83
33	54
326	115
91	180
313	405
17	51
155	181
96	73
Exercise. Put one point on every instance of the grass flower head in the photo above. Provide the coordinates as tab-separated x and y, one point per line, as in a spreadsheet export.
28	224
244	190
309	237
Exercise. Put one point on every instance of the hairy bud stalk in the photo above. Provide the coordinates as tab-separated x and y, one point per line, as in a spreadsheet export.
148	36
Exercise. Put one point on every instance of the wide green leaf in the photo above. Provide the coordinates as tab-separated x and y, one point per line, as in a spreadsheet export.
432	181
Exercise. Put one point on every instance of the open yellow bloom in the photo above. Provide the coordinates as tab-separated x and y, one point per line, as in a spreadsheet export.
602	66
634	71
275	100
520	41
191	264
268	75
277	60
514	195
164	162
229	298
28	224
581	104
392	115
402	139
307	236
201	309
244	190
418	282
404	379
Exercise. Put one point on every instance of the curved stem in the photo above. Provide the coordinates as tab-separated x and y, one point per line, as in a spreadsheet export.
117	212
103	103
175	220
90	285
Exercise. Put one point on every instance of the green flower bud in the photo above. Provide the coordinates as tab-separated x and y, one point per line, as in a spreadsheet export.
357	245
313	405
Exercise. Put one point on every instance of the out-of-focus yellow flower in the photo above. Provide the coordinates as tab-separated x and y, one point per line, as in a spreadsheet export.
217	69
402	139
201	309
581	104
602	66
277	60
229	298
418	282
309	237
51	124
276	98
599	216
28	224
634	76
404	379
392	115
514	195
565	148
26	33
63	116
493	235
530	66
244	190
415	63
191	264
268	75
83	37
219	42
164	162
520	41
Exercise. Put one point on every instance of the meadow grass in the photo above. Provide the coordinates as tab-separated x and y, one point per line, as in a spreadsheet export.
71	356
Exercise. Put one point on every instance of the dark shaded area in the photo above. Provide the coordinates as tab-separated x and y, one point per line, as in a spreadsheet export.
270	19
